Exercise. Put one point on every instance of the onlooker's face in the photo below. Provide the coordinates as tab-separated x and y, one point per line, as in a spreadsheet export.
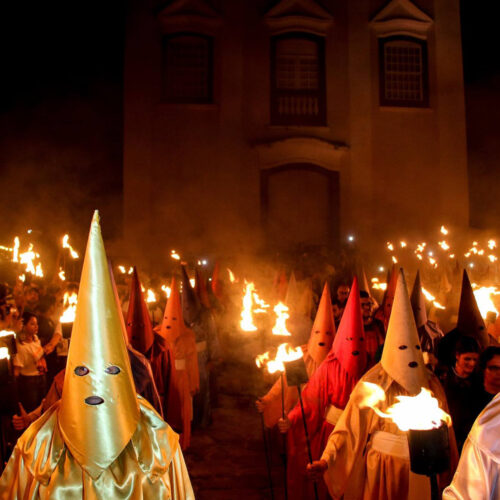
337	312
366	308
466	363
31	327
492	374
342	293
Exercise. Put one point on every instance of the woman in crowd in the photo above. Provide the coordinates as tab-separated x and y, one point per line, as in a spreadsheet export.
490	366
462	386
29	364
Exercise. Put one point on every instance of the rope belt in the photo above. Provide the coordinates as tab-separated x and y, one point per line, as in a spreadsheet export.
391	444
180	364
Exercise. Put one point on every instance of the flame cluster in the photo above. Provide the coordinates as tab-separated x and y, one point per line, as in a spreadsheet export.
253	304
69	307
284	353
421	412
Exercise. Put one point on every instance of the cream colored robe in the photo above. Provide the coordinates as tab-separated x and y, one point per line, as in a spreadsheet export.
150	467
357	470
478	472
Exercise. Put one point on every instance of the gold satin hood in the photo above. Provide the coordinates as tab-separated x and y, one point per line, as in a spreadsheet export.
99	411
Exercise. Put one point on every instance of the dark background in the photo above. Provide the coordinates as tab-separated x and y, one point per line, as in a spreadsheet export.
61	114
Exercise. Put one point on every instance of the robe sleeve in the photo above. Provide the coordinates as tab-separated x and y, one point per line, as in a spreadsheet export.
272	400
180	485
192	362
16	481
476	476
346	445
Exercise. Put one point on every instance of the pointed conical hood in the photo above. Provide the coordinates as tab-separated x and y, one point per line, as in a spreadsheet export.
191	306
98	413
417	300
292	299
201	288
172	325
281	286
216	282
349	345
384	311
306	298
402	356
139	328
117	300
470	321
323	330
363	281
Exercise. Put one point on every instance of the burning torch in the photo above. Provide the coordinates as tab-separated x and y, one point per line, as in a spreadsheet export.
427	430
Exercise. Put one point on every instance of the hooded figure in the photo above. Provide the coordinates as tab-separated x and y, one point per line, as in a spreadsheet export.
314	352
182	343
299	324
429	332
478	472
280	286
202	322
201	288
191	306
367	456
139	328
325	396
384	311
100	440
470	324
143	338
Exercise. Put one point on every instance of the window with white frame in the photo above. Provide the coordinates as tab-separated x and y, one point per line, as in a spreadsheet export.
403	72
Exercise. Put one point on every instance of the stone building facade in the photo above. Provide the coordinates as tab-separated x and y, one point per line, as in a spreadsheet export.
284	123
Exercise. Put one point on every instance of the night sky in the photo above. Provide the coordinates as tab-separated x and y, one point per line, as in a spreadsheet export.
61	113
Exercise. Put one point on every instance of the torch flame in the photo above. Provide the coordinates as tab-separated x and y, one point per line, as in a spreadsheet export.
232	279
69	304
150	296
167	290
4	353
492	244
15	252
62	275
484	299
65	244
282	315
174	255
444	245
432	299
285	353
27	258
376	285
419	412
444	230
246	323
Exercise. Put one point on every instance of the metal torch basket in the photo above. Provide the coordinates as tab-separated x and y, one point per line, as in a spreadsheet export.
429	450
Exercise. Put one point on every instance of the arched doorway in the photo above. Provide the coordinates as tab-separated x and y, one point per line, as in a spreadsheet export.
300	205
